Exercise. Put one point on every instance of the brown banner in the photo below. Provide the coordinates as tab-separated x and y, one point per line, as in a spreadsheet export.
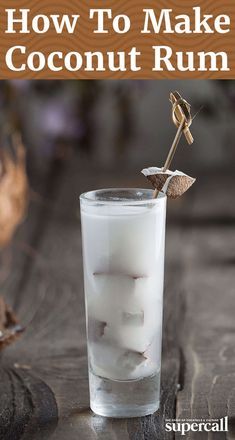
130	39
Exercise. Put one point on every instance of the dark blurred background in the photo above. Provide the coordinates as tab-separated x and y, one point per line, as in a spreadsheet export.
101	134
119	123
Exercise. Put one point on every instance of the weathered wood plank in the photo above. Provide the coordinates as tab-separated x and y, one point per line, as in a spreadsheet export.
207	336
27	406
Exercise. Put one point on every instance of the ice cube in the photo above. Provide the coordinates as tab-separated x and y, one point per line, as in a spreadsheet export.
136	365
114	283
148	289
103	359
115	363
95	329
108	294
130	337
145	369
138	331
153	351
129	305
132	318
130	360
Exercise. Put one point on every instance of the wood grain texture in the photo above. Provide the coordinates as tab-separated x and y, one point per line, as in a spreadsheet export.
84	39
28	408
207	336
45	284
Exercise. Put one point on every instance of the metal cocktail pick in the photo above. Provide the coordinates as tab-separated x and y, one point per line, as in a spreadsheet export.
181	116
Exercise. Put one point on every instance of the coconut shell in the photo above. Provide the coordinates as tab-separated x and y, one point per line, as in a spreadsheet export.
173	184
10	329
13	192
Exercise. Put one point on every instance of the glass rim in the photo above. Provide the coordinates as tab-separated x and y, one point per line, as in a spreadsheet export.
89	197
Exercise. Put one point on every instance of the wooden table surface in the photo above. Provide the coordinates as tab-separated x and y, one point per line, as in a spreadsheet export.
43	376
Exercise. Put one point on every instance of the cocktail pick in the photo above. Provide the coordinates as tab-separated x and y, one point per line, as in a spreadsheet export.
182	109
181	116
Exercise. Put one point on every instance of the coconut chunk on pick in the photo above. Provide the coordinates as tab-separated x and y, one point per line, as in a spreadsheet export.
173	183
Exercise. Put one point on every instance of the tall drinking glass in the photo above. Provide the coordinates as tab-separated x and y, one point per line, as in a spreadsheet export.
123	234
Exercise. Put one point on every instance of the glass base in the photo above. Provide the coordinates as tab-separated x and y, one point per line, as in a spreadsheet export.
124	399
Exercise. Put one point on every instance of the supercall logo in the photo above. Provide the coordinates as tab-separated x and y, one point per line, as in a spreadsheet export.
184	426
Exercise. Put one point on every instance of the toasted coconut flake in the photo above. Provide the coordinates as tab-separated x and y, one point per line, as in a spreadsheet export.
171	183
10	329
13	192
